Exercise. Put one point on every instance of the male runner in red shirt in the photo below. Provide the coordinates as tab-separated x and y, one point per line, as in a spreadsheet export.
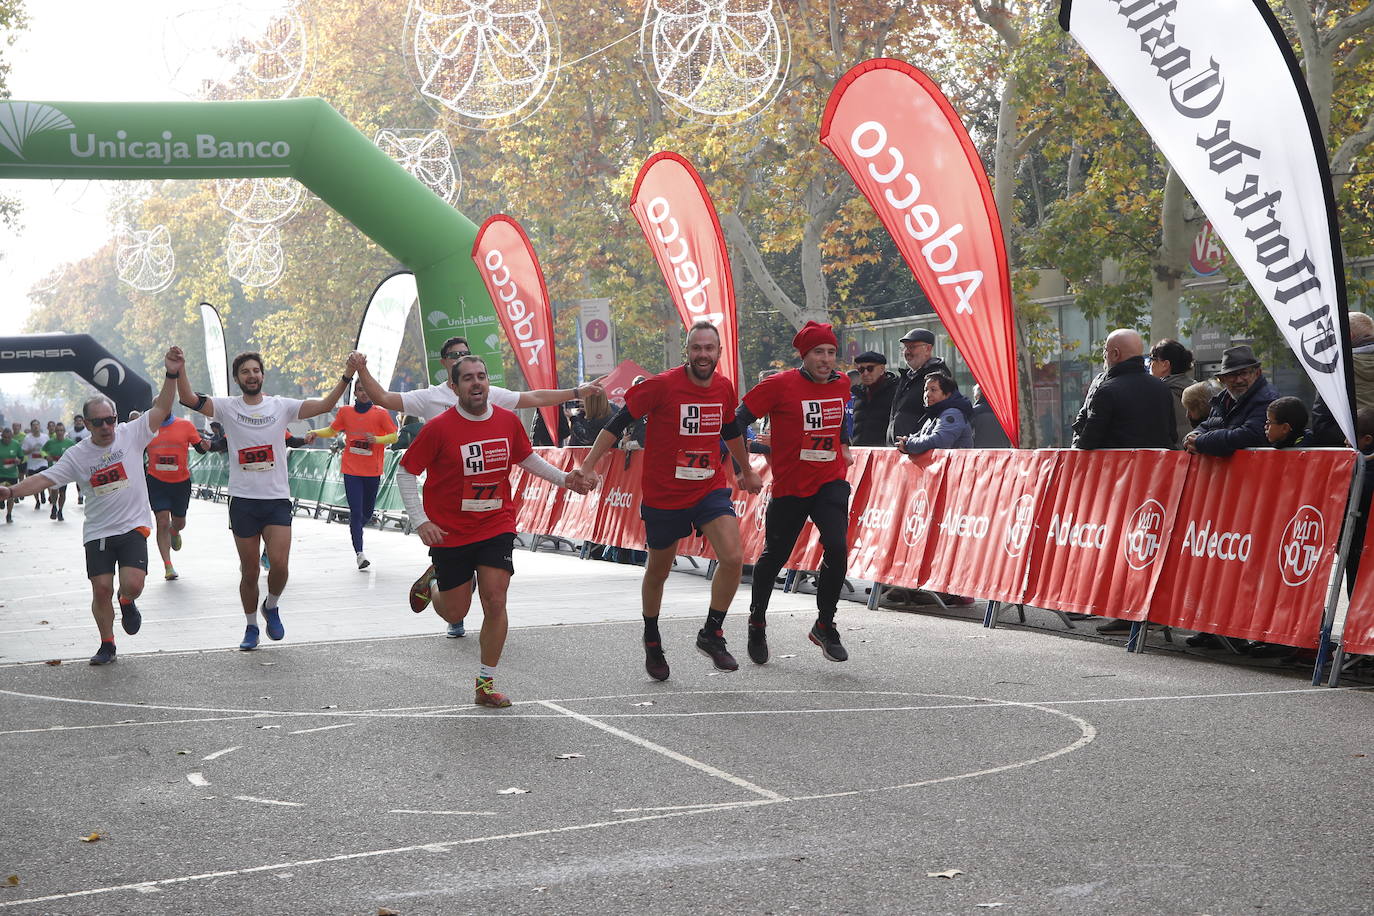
810	452
689	410
467	515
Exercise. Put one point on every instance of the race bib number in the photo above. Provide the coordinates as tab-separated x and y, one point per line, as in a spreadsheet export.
700	419
167	462
360	447
822	448
109	480
695	465
10	462
257	458
483	498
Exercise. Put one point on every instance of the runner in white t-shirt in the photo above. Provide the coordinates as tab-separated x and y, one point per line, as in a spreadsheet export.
34	461
259	492
428	403
108	467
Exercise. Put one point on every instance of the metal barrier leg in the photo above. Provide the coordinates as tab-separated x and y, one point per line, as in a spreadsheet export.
1136	641
1337	660
875	596
790	582
990	614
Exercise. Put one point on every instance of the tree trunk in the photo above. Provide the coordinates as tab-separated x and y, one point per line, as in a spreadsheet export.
1170	261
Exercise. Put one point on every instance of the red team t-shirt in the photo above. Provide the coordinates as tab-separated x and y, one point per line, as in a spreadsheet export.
467	466
167	451
682	460
807	423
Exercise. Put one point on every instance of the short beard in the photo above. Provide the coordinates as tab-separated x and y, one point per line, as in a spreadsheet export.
692	367
255	389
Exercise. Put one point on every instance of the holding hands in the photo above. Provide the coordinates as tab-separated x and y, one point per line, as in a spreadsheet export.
579	482
174	361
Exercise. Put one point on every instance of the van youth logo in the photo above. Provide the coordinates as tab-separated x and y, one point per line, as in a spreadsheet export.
917	520
1141	543
1300	549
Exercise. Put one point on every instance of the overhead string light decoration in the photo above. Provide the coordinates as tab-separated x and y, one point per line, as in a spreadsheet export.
426	154
254	254
266	59
144	258
260	200
717	61
491	62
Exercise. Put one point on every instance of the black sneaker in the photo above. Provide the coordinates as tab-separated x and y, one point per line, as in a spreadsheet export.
655	662
824	635
713	647
104	655
129	617
758	643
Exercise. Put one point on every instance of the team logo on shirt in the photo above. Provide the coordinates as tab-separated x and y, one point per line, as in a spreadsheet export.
486	456
700	419
826	414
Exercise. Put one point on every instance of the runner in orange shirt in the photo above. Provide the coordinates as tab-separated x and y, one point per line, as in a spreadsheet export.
367	430
169	484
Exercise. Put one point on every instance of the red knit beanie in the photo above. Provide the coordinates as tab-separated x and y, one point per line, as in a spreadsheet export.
813	335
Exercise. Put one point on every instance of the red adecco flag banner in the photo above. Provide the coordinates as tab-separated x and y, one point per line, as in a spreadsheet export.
982	539
1358	636
1220	91
1253	545
905	147
1100	535
680	223
890	531
506	260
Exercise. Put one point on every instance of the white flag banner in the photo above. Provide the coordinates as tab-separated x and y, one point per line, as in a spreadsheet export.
384	324
216	358
1220	92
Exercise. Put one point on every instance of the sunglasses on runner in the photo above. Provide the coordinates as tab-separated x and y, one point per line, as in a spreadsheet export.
98	422
455	354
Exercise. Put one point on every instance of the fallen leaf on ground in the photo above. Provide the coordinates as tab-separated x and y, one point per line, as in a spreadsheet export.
987	906
329	707
12	880
646	703
383	911
789	655
852	629
53	661
267	664
949	873
182	753
567	756
714	673
42	623
92	838
513	791
267	726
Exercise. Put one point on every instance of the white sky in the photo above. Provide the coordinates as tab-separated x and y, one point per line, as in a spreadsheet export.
86	50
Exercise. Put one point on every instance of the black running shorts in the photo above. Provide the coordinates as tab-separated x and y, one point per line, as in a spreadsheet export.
169	497
247	517
454	566
105	555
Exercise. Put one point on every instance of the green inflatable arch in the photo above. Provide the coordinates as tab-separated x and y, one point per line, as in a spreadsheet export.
304	139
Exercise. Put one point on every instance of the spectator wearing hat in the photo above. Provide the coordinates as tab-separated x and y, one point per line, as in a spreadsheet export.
908	406
1172	363
1126	407
872	399
1236	419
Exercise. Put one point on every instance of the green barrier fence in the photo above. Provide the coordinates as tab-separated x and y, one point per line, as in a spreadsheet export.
313	475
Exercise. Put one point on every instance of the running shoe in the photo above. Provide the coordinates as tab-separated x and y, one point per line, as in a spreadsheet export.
59	516
266	563
487	695
250	638
104	655
176	540
655	662
363	562
419	590
758	643
712	645
53	514
824	635
129	617
272	616
169	573
9	518
456	630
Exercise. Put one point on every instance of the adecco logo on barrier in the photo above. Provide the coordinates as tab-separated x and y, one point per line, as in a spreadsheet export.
1017	533
1300	547
916	522
1143	534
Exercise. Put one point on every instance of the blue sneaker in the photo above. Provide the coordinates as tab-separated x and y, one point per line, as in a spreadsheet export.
456	630
250	639
266	563
273	617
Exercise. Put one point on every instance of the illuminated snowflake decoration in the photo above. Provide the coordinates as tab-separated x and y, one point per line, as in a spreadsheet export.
260	200
491	62
716	60
144	258
266	60
426	154
254	254
50	282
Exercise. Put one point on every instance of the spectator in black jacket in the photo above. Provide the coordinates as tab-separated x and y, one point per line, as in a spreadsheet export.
1172	362
1126	407
872	399
908	401
1236	420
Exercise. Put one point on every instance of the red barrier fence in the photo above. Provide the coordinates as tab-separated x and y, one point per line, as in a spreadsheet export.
1238	546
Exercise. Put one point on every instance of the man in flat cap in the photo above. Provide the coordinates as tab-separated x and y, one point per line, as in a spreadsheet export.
872	399
1236	420
908	404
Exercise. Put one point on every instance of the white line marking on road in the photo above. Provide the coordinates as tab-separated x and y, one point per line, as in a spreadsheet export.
465	813
78	728
733	804
218	754
197	779
671	754
269	801
322	728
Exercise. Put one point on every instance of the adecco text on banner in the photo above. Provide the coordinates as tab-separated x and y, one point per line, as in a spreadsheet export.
521	319
686	273
1086	535
1202	541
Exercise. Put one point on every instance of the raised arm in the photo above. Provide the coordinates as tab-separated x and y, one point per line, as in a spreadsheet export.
175	364
551	397
357	362
316	406
197	402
